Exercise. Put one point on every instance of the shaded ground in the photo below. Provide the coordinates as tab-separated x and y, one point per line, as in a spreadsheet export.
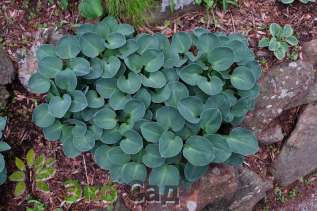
20	19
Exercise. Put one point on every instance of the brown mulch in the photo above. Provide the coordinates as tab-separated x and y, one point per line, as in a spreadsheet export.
20	19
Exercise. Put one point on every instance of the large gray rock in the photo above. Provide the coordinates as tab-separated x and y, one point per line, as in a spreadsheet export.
7	72
310	52
280	87
298	156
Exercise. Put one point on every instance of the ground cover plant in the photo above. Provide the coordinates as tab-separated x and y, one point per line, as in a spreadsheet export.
3	147
147	106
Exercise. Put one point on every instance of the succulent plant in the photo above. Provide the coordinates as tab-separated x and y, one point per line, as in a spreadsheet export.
147	105
3	147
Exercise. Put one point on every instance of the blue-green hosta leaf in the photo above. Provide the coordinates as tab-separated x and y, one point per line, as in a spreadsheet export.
125	29
242	106
116	156
212	86
88	114
191	74
105	87
97	131
134	62
190	108
242	78
132	143
152	157
58	106
3	176
67	139
50	66
41	116
235	160
200	31
115	41
220	147
207	42
151	131
106	26
2	163
135	109
178	92
79	101
4	146
111	136
241	52
80	66
91	44
252	93
211	120
221	58
38	84
105	119
181	41
134	172
94	101
153	60
171	74
129	48
169	118
154	80
172	58
84	143
68	47
66	80
96	69
161	95
163	41
130	84
101	157
53	132
84	28
255	68
144	96
198	151
111	67
45	50
147	42
166	175
79	129
170	145
193	173
275	30
118	100
242	141
3	122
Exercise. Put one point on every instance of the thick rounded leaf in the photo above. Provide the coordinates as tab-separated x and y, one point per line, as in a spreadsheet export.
275	29
146	42
242	78
3	176
111	67
96	69
134	62
111	136
182	42
170	145
287	31
264	42
135	109
220	147
212	86
178	92
66	80
93	100
105	87
4	146
130	84
132	143
67	139
151	131
68	47
242	141
144	96
161	95
45	50
190	108
101	157
2	163
41	117
116	156
38	84
211	120
84	28
152	157
166	175
168	117
124	29
154	80
53	132
115	40
221	58
207	42
118	100
79	101
91	44
153	60
129	48
58	106
80	66
50	66
292	40
198	151
84	143
191	74
134	172
193	173
105	118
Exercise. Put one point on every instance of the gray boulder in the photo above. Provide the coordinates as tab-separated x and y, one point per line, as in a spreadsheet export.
7	72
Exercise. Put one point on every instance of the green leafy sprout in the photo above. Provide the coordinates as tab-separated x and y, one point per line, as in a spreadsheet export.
3	147
280	41
40	169
147	106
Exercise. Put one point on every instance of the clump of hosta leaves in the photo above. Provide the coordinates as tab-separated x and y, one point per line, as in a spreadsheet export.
280	41
37	169
3	147
145	105
76	192
291	1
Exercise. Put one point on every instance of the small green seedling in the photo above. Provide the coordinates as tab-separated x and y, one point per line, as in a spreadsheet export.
280	41
40	169
35	205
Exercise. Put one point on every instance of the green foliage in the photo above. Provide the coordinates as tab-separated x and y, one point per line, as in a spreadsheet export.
91	9
36	205
280	41
291	1
38	167
150	102
210	4
75	192
3	147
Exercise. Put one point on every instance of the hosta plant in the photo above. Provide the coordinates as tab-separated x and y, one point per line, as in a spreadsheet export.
291	1
37	169
3	147
147	106
280	40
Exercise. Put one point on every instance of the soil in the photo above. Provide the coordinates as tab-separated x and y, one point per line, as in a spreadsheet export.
20	19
